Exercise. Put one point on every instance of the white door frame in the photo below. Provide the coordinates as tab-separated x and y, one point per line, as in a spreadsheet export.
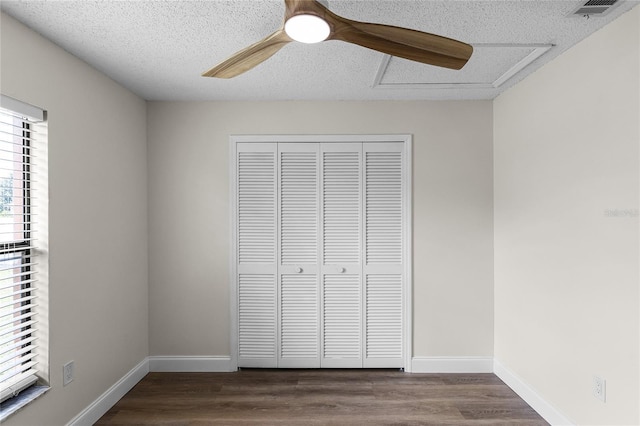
407	302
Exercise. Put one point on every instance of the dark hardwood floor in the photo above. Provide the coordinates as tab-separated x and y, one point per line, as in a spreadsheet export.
320	397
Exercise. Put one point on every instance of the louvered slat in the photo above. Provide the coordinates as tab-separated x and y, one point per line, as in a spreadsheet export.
383	207
299	316
256	207
384	316
341	207
341	334
298	207
257	316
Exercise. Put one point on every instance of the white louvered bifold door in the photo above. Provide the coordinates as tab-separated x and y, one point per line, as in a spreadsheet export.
341	231
299	338
383	254
320	254
256	240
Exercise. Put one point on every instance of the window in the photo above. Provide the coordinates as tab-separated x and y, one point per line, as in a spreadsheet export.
19	271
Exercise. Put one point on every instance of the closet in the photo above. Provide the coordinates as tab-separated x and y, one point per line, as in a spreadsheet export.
320	252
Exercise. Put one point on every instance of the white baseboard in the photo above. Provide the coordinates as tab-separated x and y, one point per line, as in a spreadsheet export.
108	399
529	395
452	364
190	364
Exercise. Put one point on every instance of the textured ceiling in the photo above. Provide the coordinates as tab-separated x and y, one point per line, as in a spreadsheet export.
158	49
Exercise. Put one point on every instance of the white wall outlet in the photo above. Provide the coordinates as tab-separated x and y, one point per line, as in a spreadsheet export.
599	388
68	371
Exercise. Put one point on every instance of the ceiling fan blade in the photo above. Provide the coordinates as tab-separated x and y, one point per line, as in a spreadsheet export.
248	58
403	42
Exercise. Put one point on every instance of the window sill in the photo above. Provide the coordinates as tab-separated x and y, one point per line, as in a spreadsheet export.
14	404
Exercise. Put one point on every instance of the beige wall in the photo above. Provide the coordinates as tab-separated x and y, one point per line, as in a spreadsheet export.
566	268
98	285
189	214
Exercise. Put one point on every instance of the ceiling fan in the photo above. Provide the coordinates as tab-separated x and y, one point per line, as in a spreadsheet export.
310	21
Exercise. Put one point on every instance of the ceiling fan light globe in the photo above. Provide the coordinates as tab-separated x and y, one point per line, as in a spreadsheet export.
307	28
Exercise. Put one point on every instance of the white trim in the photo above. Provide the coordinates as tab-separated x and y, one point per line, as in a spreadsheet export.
407	291
382	70
108	399
233	255
452	364
191	364
522	64
529	395
233	139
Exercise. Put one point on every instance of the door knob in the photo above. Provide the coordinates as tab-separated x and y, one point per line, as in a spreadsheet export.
343	270
298	269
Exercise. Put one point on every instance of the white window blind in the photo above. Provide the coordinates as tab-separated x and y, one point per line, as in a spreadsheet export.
18	279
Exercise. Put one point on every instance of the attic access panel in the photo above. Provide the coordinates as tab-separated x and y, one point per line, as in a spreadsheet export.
490	66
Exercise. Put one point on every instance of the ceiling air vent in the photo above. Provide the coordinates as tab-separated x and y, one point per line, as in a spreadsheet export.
594	8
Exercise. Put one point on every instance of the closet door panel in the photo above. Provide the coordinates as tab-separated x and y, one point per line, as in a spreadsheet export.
256	187
257	320
298	203
383	253
299	312
256	253
341	270
299	322
383	321
341	198
342	321
383	204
